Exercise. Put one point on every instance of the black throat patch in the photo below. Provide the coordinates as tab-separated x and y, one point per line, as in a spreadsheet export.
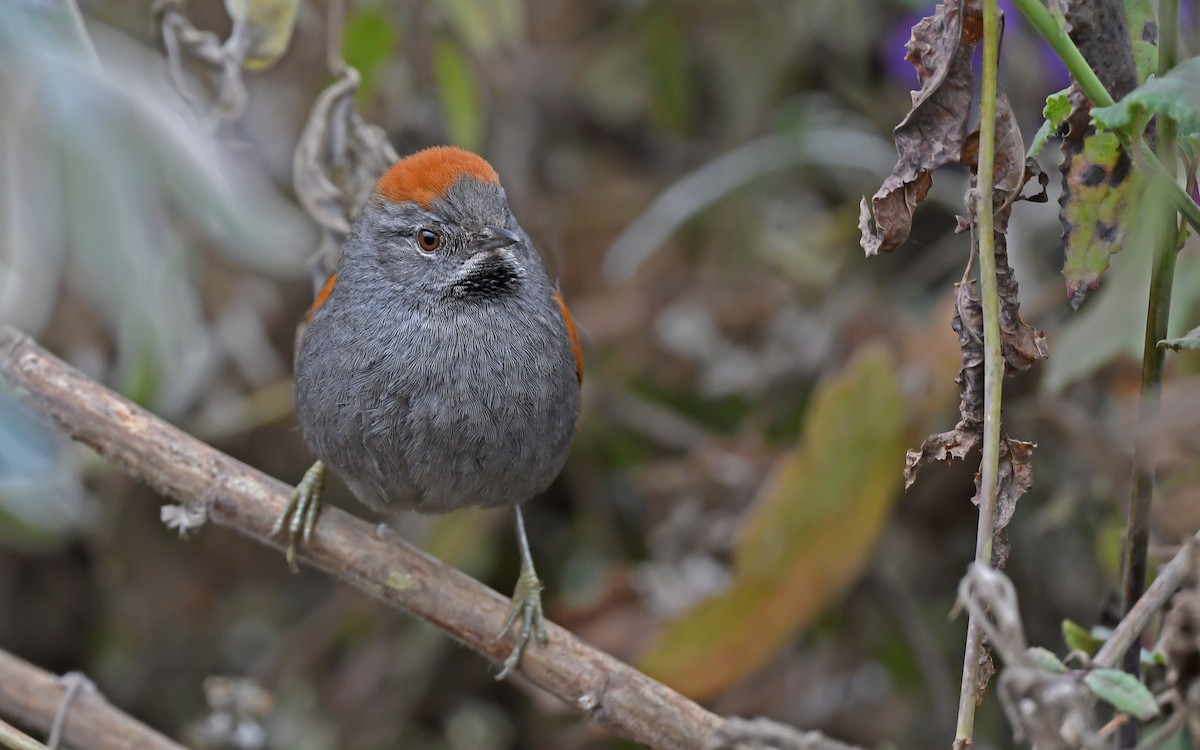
491	278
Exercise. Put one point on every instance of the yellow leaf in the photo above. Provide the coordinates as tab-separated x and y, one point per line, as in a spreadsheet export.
264	27
805	539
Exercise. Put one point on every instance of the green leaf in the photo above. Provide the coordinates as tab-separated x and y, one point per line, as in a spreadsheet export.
460	95
368	41
1046	661
1100	188
1123	691
805	539
1175	96
1056	111
1189	340
1079	639
1142	22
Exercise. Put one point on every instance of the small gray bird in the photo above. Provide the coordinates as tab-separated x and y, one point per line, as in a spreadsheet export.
440	368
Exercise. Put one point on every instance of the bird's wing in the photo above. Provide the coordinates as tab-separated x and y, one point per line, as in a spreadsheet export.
566	314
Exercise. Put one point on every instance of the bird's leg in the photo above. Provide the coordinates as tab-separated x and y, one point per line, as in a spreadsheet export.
526	605
300	515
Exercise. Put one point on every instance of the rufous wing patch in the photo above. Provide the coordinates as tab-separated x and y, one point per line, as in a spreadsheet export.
427	175
566	315
322	296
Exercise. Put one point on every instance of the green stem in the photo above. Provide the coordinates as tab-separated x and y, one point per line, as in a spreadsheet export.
1166	241
1052	31
993	360
1178	197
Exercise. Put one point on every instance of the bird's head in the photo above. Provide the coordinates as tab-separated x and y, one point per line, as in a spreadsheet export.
438	221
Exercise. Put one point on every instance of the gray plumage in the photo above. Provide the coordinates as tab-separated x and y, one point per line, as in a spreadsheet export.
437	380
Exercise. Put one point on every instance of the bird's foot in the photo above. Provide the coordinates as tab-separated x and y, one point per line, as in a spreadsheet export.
300	515
527	607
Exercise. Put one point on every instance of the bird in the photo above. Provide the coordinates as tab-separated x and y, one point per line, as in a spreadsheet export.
439	367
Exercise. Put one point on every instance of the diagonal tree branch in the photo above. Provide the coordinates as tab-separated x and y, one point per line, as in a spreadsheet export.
32	696
226	491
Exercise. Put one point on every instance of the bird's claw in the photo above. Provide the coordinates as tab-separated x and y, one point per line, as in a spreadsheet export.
300	515
526	605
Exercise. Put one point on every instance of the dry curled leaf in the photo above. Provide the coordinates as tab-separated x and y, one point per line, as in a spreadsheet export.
1020	343
1014	479
216	65
935	129
337	161
966	435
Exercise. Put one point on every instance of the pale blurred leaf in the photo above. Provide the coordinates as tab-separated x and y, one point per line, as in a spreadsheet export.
806	538
133	179
1112	324
263	27
1123	691
1046	660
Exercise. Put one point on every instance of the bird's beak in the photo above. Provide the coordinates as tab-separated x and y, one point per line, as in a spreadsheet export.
494	238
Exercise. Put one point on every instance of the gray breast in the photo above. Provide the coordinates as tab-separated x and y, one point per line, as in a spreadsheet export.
473	406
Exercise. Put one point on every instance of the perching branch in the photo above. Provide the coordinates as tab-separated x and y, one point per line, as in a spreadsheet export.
213	485
33	696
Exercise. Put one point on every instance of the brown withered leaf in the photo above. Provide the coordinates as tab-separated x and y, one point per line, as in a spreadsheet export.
1012	172
1101	32
966	435
1015	479
934	130
1020	343
1011	169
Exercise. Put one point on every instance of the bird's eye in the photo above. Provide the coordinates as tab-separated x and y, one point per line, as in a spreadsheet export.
429	240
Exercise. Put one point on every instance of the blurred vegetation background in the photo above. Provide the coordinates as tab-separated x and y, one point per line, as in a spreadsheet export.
731	519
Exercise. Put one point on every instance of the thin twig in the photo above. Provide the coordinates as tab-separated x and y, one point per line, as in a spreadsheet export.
33	696
1170	578
12	738
993	363
611	693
